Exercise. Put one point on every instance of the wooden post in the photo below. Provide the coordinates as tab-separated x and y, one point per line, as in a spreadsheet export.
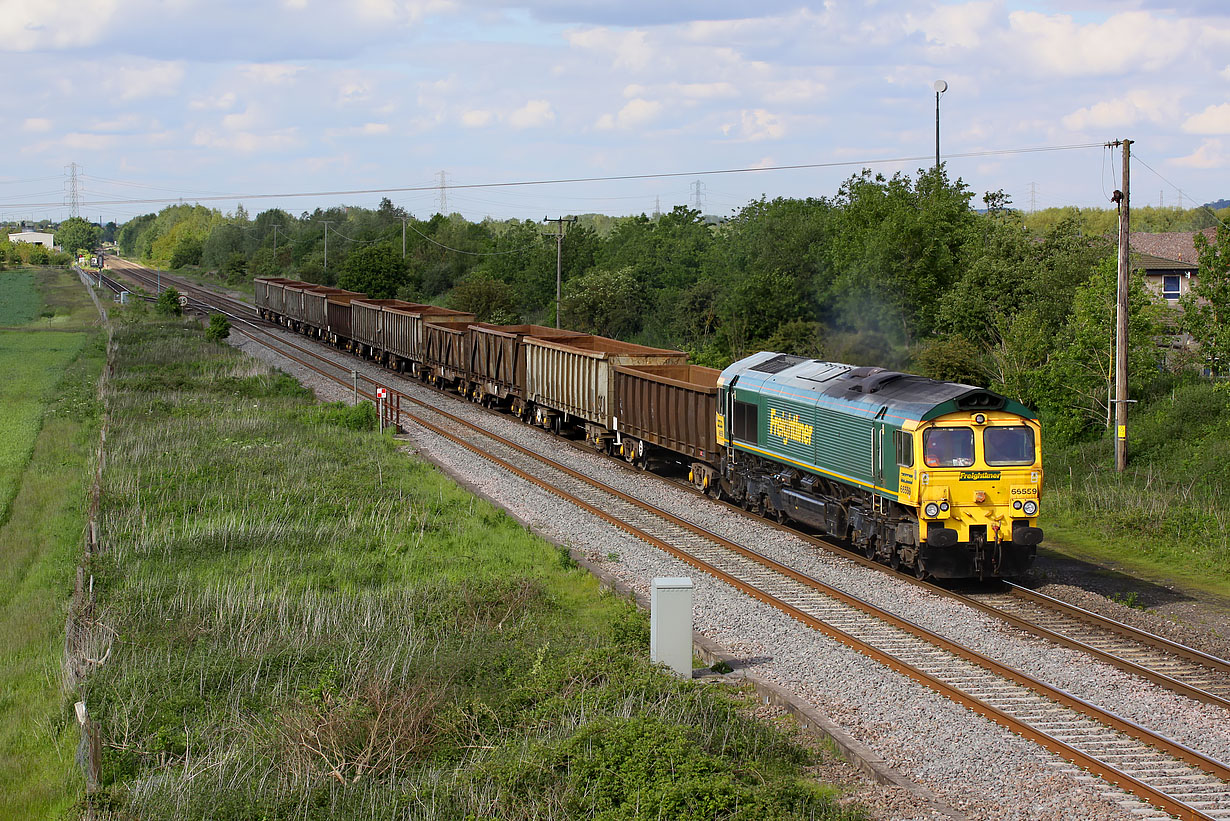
1121	319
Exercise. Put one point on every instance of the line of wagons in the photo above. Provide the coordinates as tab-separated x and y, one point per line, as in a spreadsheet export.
939	478
645	404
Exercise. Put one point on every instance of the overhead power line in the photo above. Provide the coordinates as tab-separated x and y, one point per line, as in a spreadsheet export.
568	180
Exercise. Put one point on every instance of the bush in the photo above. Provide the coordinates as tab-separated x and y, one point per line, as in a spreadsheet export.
168	303
219	328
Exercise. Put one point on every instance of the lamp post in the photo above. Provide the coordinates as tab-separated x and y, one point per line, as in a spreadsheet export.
940	87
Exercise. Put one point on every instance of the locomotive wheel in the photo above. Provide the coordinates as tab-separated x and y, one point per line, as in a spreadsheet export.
869	549
894	559
920	572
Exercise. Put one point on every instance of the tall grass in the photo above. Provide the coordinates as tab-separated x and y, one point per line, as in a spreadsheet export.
1171	508
301	622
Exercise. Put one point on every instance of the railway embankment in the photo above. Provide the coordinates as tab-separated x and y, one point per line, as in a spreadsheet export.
300	620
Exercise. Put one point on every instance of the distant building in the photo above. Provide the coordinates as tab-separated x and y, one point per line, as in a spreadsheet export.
34	238
1168	261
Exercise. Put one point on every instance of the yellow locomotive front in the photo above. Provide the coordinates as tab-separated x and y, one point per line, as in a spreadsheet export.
976	483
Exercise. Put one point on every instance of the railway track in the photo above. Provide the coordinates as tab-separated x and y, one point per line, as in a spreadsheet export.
1179	780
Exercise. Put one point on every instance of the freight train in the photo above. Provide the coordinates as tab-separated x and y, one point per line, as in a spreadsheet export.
935	478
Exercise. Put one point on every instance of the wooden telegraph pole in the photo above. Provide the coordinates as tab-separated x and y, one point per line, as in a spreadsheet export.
1121	315
559	257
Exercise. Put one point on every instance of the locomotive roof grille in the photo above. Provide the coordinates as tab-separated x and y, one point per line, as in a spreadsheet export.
778	363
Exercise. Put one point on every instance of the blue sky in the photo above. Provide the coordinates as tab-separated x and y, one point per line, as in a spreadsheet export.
166	99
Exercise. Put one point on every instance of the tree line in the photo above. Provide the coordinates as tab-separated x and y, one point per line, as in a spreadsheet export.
903	272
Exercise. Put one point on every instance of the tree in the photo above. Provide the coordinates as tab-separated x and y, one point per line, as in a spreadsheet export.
235	269
1206	310
77	234
488	299
603	302
187	252
1078	375
950	359
376	270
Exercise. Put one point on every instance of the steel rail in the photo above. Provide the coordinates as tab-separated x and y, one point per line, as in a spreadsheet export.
1142	637
1109	772
1160	642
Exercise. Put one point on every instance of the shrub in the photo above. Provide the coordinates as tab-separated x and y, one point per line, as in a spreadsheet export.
219	328
168	302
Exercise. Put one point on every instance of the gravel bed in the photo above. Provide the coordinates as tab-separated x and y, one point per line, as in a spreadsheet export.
969	762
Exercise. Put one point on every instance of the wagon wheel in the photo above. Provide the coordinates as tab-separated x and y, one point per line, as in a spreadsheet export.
780	517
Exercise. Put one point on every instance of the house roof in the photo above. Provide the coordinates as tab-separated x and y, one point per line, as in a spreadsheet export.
1172	245
1150	264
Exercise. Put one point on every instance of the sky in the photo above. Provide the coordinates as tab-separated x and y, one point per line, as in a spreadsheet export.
466	101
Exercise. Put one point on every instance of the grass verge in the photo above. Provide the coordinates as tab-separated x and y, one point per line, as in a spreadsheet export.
304	623
1168	515
49	417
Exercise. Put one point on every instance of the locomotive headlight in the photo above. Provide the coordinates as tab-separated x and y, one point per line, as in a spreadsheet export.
932	510
944	506
1016	504
1030	508
980	419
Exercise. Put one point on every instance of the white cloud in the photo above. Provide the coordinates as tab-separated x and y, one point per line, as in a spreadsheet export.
246	141
1213	120
533	114
365	130
89	142
1210	154
144	78
274	74
355	91
36	124
219	102
635	113
476	118
1131	41
54	24
955	27
1134	107
627	49
756	124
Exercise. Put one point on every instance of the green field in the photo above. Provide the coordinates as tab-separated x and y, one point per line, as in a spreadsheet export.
48	433
19	300
310	624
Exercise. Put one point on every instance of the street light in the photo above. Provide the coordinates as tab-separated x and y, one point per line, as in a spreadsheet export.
940	87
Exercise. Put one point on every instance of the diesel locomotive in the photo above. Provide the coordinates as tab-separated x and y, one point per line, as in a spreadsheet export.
940	478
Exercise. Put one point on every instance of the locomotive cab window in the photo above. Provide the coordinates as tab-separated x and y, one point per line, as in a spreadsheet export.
744	426
948	448
905	448
1009	445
